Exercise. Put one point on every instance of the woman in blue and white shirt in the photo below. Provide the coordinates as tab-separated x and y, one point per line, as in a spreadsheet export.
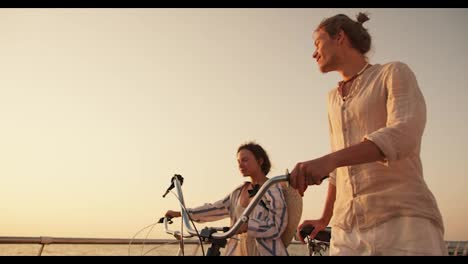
261	235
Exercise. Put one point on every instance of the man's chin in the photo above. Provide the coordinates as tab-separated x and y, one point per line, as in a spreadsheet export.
324	69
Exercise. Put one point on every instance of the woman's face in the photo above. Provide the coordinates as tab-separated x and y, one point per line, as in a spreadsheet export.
248	164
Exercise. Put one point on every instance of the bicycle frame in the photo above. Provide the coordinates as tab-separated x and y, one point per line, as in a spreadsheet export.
210	234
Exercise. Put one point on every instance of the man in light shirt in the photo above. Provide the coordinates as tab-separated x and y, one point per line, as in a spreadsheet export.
377	196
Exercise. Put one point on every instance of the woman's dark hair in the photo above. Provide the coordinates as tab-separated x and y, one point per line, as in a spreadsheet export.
259	153
357	34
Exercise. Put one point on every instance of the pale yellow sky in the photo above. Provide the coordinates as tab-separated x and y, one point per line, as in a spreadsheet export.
100	107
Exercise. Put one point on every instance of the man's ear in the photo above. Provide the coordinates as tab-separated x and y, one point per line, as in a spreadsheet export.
340	37
344	39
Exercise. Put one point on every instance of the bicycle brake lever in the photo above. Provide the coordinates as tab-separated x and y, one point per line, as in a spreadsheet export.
161	220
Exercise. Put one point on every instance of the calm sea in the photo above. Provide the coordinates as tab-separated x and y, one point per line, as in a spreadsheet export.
118	250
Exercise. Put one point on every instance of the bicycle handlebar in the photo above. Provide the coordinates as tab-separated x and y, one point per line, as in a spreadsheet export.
185	218
175	233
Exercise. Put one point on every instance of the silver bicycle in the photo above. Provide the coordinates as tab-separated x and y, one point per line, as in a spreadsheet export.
215	237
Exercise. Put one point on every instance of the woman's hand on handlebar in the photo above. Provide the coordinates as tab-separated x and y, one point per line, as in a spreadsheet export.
172	214
318	225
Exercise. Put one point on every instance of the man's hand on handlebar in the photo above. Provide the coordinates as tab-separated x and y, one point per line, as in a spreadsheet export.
311	172
310	228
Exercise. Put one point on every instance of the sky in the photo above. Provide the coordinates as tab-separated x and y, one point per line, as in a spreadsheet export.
99	108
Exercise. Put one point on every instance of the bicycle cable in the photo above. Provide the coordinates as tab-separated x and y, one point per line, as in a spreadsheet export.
136	234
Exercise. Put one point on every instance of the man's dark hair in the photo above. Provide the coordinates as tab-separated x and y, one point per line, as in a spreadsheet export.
357	34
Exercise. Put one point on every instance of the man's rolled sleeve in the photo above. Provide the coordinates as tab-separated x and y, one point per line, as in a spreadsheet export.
384	144
406	115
